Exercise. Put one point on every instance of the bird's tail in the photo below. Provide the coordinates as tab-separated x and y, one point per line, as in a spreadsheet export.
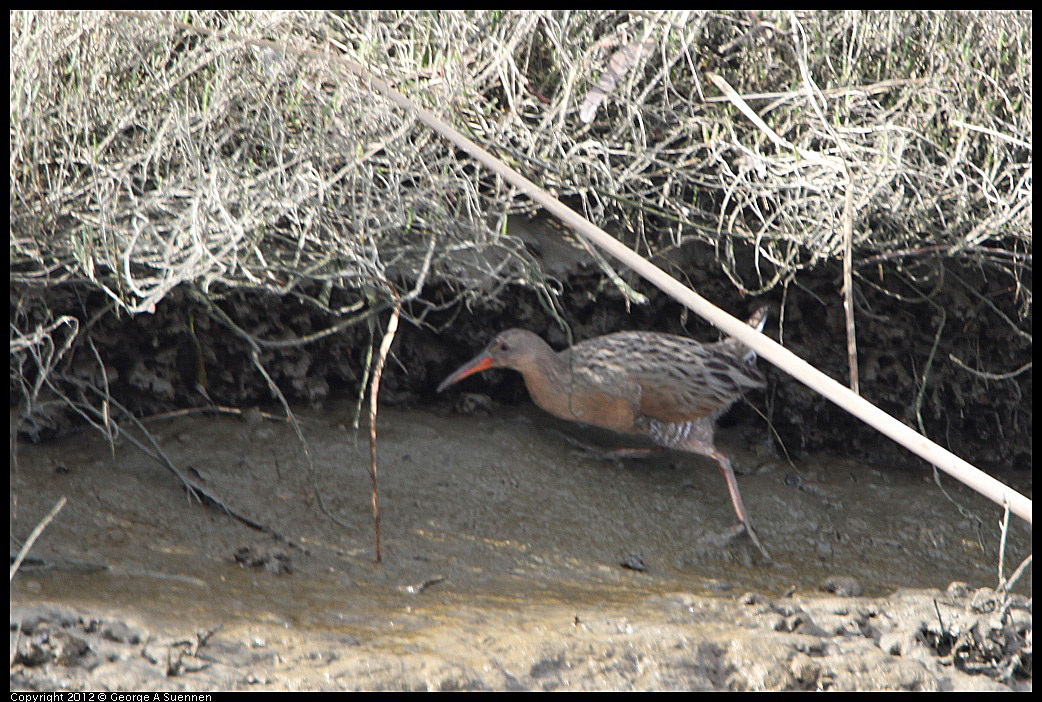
757	322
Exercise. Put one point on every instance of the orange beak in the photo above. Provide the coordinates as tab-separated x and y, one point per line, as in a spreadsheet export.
482	362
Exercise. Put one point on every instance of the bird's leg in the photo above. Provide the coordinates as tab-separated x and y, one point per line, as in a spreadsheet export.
613	454
580	444
732	483
633	452
699	439
619	454
736	497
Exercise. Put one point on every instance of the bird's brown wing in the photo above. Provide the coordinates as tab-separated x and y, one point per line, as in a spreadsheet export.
600	390
679	379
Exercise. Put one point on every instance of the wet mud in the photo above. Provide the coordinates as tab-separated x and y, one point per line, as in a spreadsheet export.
512	559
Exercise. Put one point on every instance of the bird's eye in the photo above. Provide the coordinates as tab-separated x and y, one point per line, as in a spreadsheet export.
504	346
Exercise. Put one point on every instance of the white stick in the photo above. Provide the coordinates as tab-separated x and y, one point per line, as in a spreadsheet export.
763	345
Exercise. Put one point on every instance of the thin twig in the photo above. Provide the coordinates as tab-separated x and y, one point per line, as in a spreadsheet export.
34	535
374	393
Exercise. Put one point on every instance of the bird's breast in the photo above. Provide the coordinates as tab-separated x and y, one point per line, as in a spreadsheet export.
605	407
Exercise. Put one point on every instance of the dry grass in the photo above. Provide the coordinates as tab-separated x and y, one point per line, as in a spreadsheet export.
145	157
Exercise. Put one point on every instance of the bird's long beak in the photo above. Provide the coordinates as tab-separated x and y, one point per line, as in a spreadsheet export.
478	364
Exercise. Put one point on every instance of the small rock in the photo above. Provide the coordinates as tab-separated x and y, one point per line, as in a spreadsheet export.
842	585
633	562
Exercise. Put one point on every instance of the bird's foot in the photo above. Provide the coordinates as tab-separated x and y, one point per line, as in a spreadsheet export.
580	445
725	538
756	541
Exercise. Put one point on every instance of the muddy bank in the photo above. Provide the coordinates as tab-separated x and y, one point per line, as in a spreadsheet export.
512	560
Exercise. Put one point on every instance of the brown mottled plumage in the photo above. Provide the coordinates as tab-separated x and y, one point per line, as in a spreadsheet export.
668	387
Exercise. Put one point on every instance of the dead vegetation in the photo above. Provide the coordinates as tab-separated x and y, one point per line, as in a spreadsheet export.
154	164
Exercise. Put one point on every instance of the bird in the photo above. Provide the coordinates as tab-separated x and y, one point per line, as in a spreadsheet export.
669	388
